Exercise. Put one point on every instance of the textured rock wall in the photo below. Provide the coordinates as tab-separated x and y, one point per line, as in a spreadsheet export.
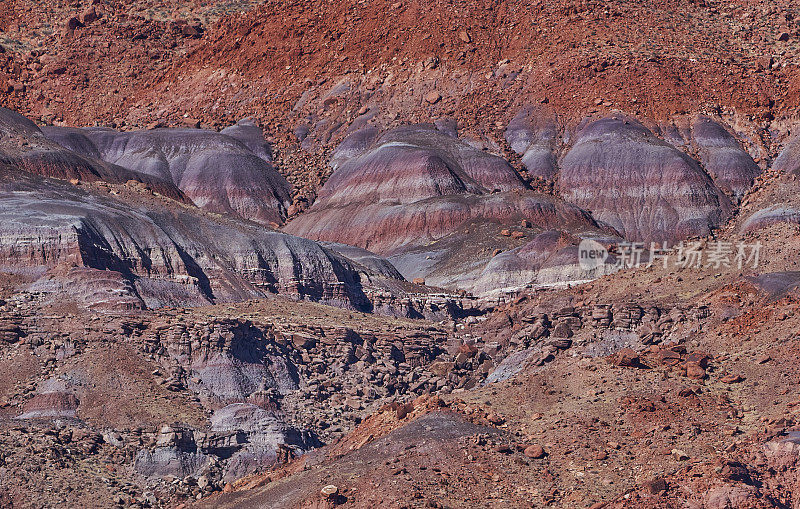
168	256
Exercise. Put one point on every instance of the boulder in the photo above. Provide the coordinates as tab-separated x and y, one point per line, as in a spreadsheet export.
534	451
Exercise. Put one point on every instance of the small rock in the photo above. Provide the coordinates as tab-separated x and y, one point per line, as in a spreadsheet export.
431	62
89	16
329	491
202	482
192	30
695	371
494	418
404	410
503	449
627	357
764	62
656	486
441	368
699	358
679	455
669	357
470	350
418	281
562	330
561	343
466	38
783	36
534	451
74	23
731	379
433	97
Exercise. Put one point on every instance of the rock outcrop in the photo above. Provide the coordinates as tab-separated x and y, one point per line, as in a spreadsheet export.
431	202
388	227
366	258
416	182
24	145
770	215
788	161
532	134
732	169
158	255
643	187
224	173
247	132
411	163
548	259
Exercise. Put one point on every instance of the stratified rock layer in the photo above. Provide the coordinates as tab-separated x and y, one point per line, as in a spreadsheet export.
247	132
435	204
788	160
641	186
732	169
532	135
23	144
158	255
548	259
221	173
415	185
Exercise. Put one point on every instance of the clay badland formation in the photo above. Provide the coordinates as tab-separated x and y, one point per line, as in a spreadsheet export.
319	254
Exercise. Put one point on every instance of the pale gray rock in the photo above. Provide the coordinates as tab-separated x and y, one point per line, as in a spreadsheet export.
266	434
164	255
247	132
770	215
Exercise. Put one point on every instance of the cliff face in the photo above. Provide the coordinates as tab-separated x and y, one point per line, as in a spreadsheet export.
163	255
